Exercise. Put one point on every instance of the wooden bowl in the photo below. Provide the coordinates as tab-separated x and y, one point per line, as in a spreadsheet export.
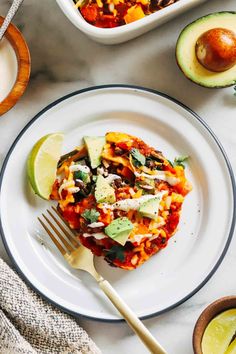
214	309
20	47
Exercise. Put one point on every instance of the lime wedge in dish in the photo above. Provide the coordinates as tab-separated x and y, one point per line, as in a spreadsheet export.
42	163
232	348
219	333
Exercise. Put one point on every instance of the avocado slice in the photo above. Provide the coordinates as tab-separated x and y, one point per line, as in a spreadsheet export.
104	193
119	230
185	51
83	176
95	146
149	209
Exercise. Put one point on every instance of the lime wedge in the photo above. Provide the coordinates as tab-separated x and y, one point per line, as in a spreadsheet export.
219	333
232	348
42	163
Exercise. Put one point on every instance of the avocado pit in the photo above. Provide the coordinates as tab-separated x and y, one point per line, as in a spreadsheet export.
216	49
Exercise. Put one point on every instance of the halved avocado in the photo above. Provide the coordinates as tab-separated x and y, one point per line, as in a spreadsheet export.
185	51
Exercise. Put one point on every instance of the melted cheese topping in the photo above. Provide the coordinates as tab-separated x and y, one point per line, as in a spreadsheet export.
96	224
73	190
112	177
133	204
66	185
162	175
134	239
97	235
78	167
138	238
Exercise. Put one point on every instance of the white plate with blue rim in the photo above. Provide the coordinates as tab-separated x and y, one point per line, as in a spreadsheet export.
193	254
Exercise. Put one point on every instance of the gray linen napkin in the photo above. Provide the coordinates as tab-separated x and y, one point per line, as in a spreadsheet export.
29	325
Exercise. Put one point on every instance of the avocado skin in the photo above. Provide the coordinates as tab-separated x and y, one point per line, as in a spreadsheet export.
206	17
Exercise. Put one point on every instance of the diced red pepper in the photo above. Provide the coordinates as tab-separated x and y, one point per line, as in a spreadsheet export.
173	222
107	21
106	218
127	173
123	146
90	12
70	215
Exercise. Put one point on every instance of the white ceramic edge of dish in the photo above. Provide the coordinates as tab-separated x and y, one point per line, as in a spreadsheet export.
195	116
124	33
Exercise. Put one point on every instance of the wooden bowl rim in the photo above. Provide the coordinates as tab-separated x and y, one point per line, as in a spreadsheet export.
16	39
211	311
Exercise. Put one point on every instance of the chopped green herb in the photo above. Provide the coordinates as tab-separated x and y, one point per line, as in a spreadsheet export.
171	163
179	161
82	175
138	158
91	215
136	163
116	252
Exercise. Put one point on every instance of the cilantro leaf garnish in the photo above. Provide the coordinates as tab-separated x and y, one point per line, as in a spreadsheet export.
138	158
82	175
179	161
91	215
116	252
171	163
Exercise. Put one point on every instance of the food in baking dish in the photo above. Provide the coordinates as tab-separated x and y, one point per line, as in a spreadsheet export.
114	13
122	196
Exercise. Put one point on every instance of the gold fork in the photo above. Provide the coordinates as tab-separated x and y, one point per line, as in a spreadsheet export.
79	257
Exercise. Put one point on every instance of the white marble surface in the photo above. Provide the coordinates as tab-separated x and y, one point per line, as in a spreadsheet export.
63	60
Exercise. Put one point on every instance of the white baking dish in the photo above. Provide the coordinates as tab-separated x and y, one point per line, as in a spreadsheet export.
129	31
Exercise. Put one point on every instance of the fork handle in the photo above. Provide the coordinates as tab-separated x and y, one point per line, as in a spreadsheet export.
131	318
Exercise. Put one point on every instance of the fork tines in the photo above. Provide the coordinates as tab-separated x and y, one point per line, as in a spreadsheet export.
59	232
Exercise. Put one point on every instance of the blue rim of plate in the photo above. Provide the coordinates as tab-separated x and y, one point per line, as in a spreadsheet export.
199	119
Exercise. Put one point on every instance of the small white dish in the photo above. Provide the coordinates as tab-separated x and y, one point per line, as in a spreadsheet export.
192	255
14	51
129	31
